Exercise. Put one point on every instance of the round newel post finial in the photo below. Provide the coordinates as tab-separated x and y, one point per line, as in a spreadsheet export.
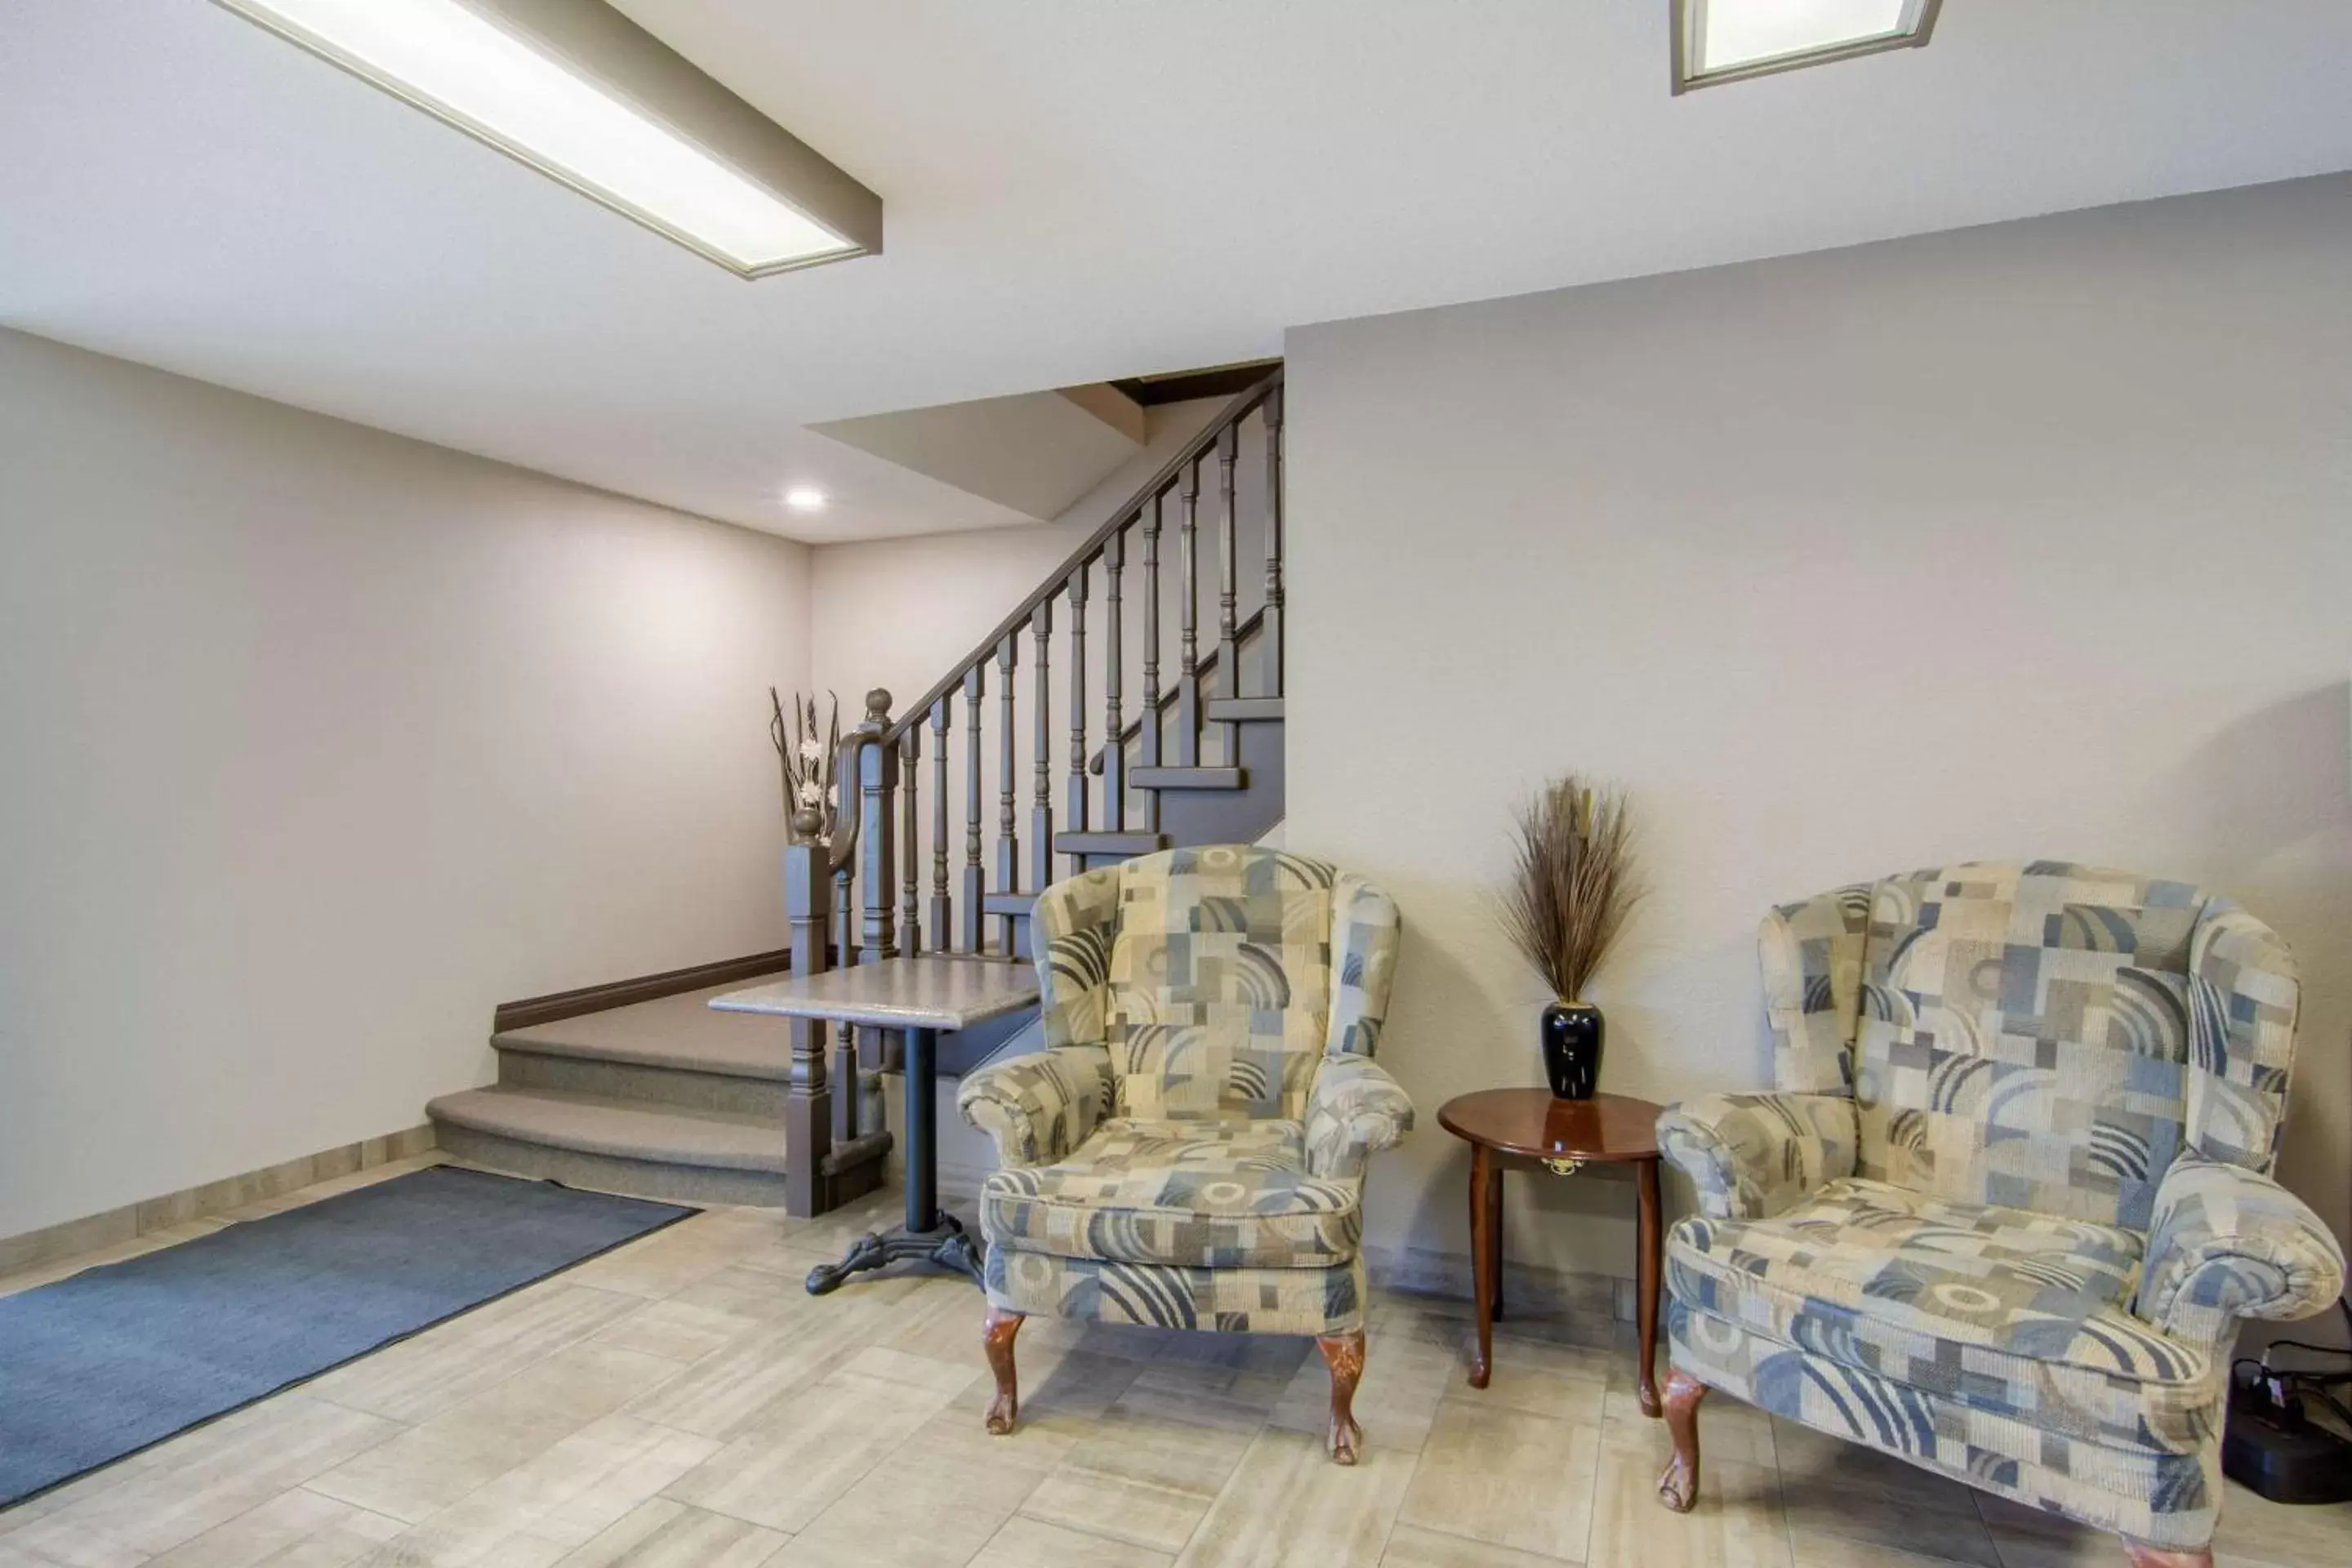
877	706
808	823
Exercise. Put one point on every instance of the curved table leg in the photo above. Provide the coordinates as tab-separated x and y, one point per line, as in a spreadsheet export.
1646	1261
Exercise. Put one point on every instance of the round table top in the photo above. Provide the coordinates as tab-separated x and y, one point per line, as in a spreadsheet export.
1530	1121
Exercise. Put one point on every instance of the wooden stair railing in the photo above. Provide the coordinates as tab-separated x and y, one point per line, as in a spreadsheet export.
1107	800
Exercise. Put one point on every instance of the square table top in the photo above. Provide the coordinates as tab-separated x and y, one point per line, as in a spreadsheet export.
933	991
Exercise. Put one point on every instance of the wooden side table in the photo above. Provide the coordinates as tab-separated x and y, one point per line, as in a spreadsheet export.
1565	1135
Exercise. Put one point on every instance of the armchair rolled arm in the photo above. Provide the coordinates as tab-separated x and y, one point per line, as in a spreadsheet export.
2226	1243
1039	1108
1752	1155
1355	1110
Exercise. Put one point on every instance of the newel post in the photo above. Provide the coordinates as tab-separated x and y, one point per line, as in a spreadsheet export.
808	1103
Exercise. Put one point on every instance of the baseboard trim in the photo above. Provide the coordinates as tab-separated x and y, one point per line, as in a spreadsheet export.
131	1221
1527	1286
612	994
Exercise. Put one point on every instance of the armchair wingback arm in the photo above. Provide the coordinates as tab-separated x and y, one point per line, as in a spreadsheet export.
1752	1155
1038	1109
1355	1110
2226	1243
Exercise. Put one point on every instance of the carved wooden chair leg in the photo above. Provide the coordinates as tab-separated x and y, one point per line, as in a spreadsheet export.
2145	1556
1678	1485
1344	1354
996	1333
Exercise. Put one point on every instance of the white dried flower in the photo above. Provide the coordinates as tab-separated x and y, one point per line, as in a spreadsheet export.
812	792
812	751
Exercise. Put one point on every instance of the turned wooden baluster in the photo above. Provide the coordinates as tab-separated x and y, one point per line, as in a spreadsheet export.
1041	759
1114	723
1188	669
975	687
1075	795
942	934
1228	622
847	769
911	841
1147	738
1008	828
877	832
1269	626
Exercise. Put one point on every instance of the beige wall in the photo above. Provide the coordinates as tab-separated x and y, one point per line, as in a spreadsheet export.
320	743
2033	539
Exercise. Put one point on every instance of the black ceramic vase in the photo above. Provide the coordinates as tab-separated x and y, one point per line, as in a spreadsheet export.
1572	1034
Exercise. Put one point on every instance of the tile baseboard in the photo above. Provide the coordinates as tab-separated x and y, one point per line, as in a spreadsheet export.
50	1243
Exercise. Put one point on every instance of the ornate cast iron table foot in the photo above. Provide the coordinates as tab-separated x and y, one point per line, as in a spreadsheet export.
946	1245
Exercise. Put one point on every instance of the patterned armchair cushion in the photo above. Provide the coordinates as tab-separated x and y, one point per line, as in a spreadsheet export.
1753	1156
1232	1300
1204	1195
1038	1108
2022	1315
2230	1244
2059	1439
1218	977
2030	1034
1811	956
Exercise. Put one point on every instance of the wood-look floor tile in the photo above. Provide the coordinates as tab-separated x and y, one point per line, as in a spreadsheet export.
1396	1399
554	1501
676	1332
1026	1543
1287	1503
1063	1395
1145	1483
203	1479
927	1505
660	1533
1736	1524
440	1369
757	1374
784	1473
2255	1532
1811	1549
1505	1477
1410	1546
296	1526
432	1466
1203	1395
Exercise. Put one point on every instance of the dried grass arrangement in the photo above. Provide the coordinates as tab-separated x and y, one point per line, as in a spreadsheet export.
1575	880
805	761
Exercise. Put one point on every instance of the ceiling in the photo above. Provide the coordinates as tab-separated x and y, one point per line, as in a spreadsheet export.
1075	191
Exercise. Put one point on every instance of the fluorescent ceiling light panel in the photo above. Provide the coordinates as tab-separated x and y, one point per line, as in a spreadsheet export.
577	90
1730	40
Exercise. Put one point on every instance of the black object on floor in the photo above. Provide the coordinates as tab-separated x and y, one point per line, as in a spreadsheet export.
116	1358
2273	1446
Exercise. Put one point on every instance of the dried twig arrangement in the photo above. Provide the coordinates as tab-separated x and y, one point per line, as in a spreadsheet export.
1574	881
805	758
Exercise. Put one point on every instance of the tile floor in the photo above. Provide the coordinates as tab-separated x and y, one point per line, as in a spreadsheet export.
681	1401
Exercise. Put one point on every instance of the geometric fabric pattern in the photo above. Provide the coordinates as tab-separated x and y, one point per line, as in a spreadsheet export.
2152	1493
1189	1149
1205	1194
1228	1301
2011	1198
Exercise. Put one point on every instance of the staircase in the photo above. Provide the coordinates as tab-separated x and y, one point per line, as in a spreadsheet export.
951	817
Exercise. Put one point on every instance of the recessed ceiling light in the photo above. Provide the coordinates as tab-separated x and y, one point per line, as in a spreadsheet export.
805	497
1730	40
578	91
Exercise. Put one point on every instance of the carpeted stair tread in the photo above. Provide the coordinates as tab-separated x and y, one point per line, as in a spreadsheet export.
629	1130
679	1032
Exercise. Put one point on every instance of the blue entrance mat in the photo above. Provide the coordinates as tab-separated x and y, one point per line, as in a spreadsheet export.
120	1357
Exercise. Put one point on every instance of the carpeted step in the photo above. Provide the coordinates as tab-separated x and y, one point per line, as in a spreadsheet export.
618	1145
674	1051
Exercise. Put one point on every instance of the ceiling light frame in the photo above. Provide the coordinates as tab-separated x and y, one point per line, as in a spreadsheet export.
597	44
1689	17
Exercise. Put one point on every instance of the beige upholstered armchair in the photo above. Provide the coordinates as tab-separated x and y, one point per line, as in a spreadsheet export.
2012	1197
1189	1150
